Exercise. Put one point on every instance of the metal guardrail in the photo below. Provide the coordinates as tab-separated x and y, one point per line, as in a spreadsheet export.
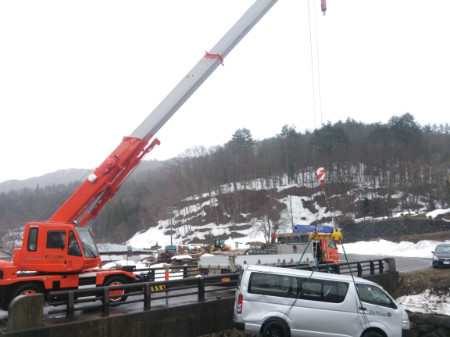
74	300
199	286
359	268
184	271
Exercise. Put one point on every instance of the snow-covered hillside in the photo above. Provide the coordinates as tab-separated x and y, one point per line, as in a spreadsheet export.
298	210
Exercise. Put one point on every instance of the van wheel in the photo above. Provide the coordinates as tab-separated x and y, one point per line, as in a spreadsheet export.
275	329
373	334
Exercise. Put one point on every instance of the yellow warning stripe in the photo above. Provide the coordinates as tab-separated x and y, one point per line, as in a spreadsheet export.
156	288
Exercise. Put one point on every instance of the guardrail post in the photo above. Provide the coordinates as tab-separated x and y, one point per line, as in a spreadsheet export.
105	301
70	305
201	289
372	268
381	266
359	267
391	264
337	268
185	272
147	296
152	274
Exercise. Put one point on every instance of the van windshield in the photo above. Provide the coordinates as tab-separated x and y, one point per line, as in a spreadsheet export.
374	295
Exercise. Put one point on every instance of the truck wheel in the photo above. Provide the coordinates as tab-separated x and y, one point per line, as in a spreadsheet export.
116	281
275	329
24	289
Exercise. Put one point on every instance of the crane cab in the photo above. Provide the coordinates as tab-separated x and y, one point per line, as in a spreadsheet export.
56	248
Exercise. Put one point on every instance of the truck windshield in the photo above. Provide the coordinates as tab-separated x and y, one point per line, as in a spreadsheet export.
89	247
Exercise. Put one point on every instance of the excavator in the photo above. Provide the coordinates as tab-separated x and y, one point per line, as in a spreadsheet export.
61	253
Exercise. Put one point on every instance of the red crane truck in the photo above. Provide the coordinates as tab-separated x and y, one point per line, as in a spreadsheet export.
61	253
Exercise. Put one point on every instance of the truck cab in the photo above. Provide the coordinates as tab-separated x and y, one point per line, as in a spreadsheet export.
56	247
324	250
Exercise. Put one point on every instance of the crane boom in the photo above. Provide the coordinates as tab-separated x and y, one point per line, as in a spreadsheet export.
63	254
92	195
202	70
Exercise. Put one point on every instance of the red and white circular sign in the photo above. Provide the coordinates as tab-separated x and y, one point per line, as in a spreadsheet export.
321	174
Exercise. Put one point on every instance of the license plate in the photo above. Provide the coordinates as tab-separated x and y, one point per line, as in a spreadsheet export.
446	262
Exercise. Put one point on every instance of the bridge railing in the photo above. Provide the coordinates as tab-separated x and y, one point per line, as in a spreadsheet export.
359	268
148	292
107	297
158	273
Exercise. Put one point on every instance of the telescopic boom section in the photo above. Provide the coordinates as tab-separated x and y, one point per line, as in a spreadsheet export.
106	180
90	197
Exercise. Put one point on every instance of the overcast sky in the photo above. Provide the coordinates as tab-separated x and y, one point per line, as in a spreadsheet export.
77	75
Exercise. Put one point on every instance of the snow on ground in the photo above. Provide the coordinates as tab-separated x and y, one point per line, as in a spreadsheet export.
426	303
435	213
421	249
294	209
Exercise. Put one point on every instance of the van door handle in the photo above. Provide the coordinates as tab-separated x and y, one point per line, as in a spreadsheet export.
362	309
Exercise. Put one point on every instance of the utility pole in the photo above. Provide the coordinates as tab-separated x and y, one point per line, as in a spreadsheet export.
170	211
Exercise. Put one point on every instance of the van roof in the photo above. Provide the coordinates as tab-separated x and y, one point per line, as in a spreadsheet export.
306	273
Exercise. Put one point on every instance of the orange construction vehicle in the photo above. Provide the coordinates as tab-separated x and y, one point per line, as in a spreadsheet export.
61	253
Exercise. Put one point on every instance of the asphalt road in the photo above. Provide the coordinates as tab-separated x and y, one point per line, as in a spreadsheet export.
403	264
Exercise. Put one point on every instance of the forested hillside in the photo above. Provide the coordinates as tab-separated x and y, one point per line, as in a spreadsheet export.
373	170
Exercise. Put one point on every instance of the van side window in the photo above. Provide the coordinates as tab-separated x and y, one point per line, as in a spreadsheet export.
374	295
32	239
270	284
322	290
290	286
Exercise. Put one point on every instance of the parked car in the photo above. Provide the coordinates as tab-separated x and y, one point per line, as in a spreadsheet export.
284	302
441	256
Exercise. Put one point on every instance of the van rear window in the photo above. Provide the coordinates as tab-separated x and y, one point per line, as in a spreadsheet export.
297	287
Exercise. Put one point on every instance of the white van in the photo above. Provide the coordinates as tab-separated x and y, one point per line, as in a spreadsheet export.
285	302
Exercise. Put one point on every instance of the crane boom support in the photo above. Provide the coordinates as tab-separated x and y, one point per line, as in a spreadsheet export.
92	195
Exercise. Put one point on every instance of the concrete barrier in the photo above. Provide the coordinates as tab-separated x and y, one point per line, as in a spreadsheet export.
389	280
25	312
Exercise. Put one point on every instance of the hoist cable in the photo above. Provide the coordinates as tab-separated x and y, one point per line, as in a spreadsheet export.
356	288
313	65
